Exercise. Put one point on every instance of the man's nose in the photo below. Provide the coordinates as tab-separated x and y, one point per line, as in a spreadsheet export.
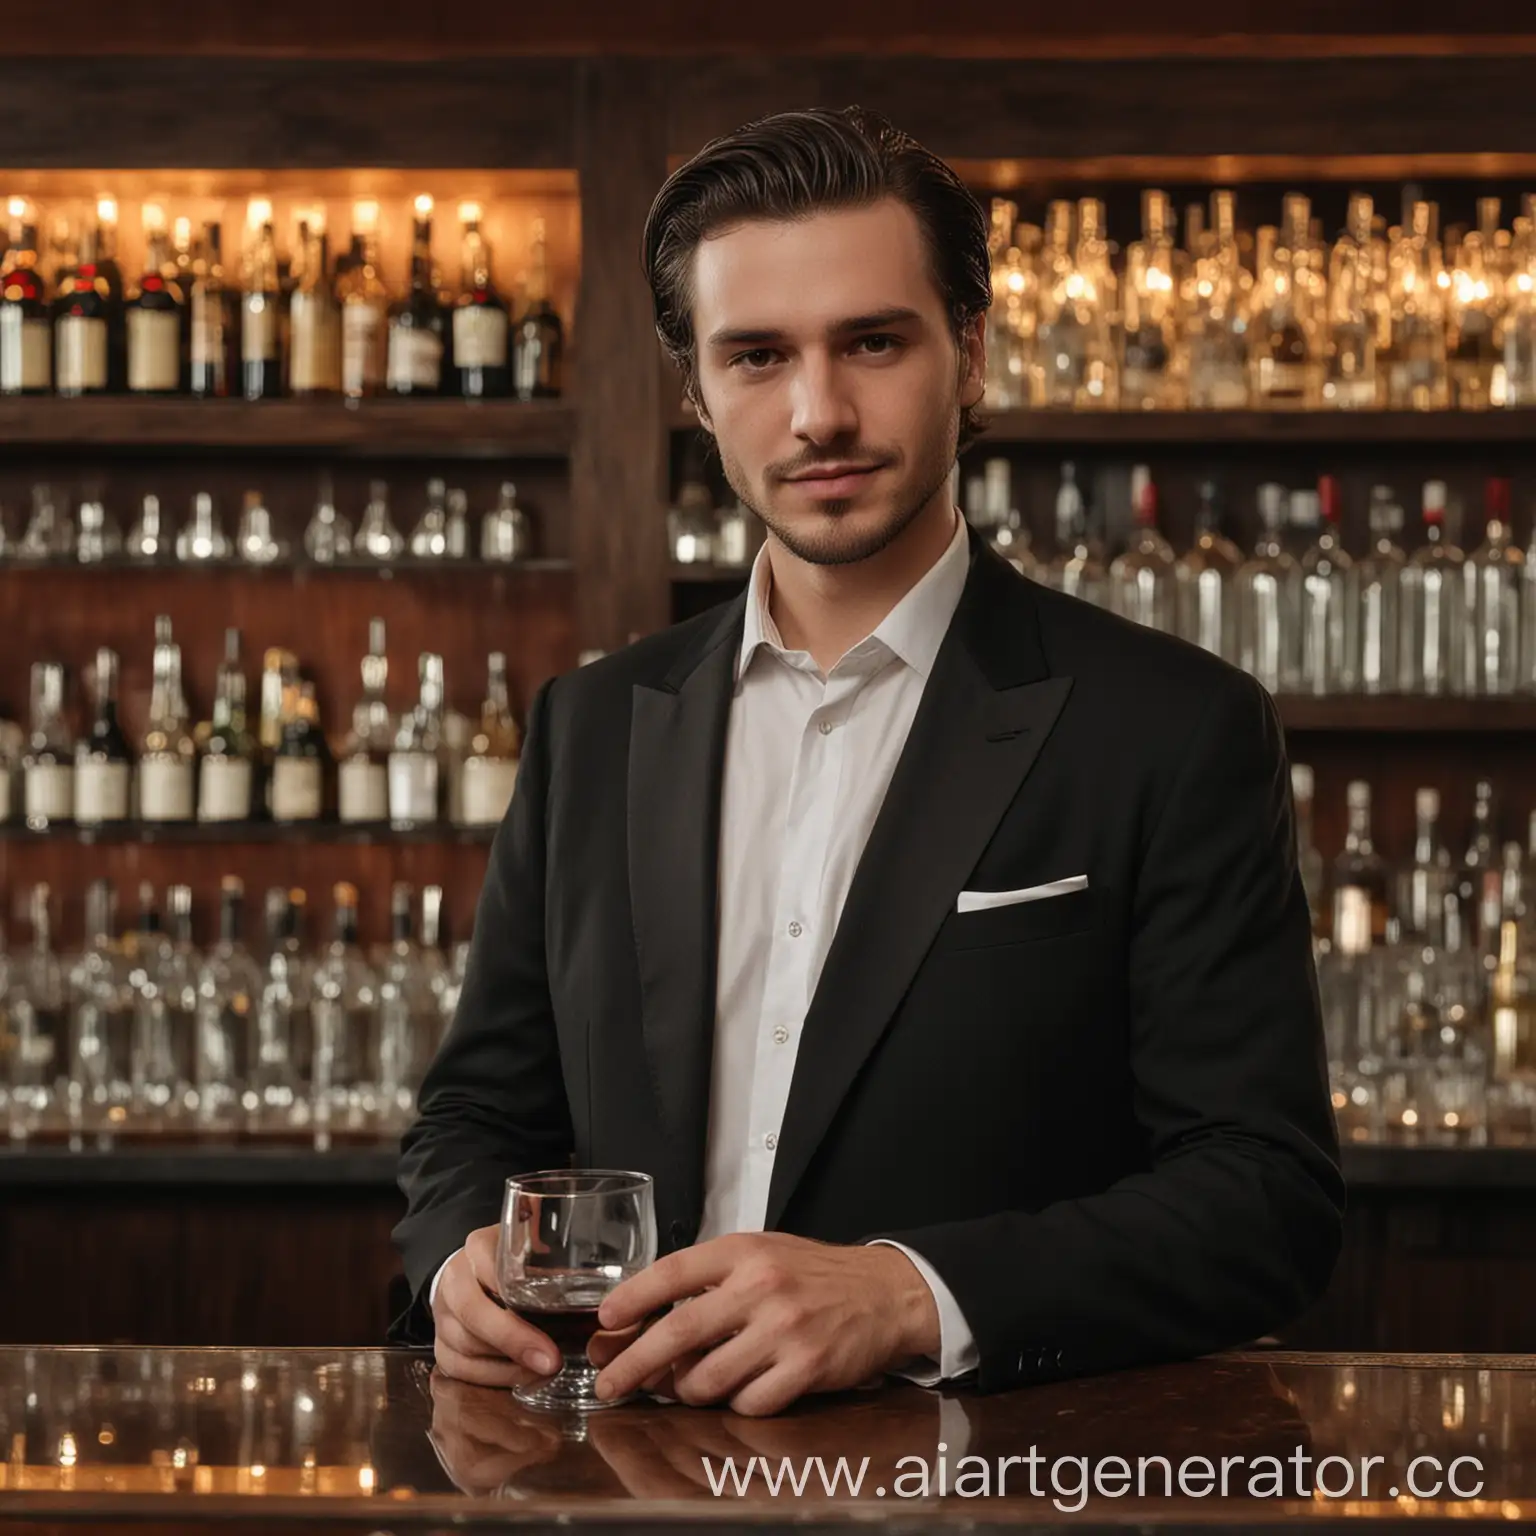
823	408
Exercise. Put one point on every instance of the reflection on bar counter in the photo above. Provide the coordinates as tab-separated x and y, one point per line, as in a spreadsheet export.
1300	612
1400	317
1427	975
140	1035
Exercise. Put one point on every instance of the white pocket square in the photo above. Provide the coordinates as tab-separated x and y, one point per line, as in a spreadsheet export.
979	901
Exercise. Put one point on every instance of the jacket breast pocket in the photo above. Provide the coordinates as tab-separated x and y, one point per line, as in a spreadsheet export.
1024	922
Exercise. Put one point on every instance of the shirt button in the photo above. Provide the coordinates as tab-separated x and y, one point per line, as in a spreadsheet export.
795	930
780	1035
825	727
770	1141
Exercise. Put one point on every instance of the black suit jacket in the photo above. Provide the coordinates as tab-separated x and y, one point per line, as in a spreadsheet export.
1102	1117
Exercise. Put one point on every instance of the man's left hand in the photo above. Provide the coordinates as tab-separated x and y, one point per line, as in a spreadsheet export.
769	1318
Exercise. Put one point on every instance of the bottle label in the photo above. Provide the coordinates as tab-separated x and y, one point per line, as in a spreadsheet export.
165	789
415	358
362	347
26	348
488	785
154	350
363	791
82	349
258	328
296	789
479	337
101	792
315	347
49	792
412	786
224	789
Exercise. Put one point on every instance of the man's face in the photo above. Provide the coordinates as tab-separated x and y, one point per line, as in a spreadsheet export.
829	375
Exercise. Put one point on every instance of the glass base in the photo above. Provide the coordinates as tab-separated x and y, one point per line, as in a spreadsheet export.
573	1389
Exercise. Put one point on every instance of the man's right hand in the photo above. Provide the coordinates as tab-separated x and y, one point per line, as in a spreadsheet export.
479	1340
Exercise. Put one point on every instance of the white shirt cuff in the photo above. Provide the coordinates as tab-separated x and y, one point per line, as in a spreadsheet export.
957	1348
432	1293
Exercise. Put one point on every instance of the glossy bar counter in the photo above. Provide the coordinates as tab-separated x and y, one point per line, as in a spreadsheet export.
184	1440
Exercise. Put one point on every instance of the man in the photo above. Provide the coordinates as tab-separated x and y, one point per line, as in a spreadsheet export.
935	940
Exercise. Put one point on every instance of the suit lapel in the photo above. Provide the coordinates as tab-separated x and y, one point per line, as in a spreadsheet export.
986	711
676	757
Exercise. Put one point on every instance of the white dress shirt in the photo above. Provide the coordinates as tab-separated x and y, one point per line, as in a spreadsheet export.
808	760
807	763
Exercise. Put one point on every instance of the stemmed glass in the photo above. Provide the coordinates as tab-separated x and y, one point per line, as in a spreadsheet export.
568	1237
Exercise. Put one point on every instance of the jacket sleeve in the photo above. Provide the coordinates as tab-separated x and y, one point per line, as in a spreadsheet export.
1234	1227
493	1101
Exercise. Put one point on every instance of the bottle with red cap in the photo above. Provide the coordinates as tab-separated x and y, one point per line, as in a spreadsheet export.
1493	597
1141	578
1434	653
1330	603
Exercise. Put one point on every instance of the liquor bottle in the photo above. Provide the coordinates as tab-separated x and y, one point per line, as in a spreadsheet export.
1309	860
38	1021
1141	578
106	245
414	770
1519	354
1281	334
429	538
26	332
228	987
434	962
1360	867
49	535
362	775
298	768
155	321
149	539
1416	374
1151	377
83	318
226	770
1219	300
1435	613
1349	362
164	981
1380	586
1477	879
1077	567
328	536
481	327
255	542
216	322
1268	602
1074	349
539	336
99	539
103	763
1205	583
364	304
48	768
1493	575
418	326
1474	312
1330	597
203	538
168	757
407	1017
506	534
279	693
100	1070
1424	884
344	1009
261	362
457	527
490	769
1012	317
1512	1015
377	536
278	1083
314	321
993	513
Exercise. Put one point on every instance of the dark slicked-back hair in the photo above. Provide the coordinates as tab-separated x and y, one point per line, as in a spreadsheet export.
794	164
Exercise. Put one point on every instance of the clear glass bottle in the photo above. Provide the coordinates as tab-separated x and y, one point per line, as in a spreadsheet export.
1424	884
1349	357
155	318
1512	1015
1012	317
328	537
1309	860
164	981
103	762
1219	302
1381	587
49	534
278	1086
506	534
1205	583
364	303
1360	867
456	531
538	336
1436	620
415	779
1330	598
1478	885
345	1012
1077	568
1141	578
1283	328
434	961
37	1006
26	330
216	322
362	774
48	768
407	1018
1152	376
481	326
1076	341
1416	373
99	1094
100	539
255	541
168	756
1519	343
1346	989
1494	574
692	525
377	536
429	538
314	320
149	540
997	517
227	767
227	989
1474	313
489	772
202	539
1269	602
261	362
300	763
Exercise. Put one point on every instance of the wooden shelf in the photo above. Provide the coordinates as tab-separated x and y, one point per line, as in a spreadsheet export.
382	428
208	834
1406	714
385	569
1221	429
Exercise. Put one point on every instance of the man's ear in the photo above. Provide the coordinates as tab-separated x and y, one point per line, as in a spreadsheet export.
973	361
695	399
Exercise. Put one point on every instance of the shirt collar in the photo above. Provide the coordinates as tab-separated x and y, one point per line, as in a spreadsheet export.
913	630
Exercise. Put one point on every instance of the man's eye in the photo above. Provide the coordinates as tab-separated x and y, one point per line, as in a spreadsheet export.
758	357
878	345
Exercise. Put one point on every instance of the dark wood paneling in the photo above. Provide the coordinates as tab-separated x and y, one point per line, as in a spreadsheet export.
618	467
247	111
